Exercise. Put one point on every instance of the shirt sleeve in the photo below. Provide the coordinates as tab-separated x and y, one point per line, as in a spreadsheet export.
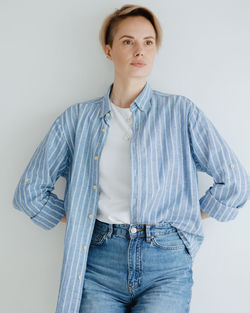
33	194
212	154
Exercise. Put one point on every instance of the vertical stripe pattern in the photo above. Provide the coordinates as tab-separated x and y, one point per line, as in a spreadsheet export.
172	140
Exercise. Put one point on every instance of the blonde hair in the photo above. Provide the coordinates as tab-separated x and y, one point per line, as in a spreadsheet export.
111	22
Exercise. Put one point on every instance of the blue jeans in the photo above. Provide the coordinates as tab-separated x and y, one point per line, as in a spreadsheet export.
137	268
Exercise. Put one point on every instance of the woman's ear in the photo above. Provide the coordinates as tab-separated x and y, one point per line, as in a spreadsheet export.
107	51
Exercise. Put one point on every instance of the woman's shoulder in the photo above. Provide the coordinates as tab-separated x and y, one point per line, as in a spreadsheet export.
175	99
75	110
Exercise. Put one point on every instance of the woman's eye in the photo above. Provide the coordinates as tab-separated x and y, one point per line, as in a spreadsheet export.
126	41
148	42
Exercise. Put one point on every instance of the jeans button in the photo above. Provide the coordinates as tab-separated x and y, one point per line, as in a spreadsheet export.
133	230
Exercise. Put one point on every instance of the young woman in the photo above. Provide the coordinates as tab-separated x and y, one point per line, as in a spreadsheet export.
130	159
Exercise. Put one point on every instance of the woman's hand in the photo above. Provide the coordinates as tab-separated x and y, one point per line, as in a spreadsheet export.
204	215
64	219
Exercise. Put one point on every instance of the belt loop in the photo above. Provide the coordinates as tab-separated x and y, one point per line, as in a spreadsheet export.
110	231
148	235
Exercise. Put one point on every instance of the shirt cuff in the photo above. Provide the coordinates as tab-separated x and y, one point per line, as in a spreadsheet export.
51	213
216	209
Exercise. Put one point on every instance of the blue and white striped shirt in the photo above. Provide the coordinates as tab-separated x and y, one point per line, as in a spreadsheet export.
172	140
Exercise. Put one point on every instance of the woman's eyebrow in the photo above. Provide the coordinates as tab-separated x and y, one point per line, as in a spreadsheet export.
134	37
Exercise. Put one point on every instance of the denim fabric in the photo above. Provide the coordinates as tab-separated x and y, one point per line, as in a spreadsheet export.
137	268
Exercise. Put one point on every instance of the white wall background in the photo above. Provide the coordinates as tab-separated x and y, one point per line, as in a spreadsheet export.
51	58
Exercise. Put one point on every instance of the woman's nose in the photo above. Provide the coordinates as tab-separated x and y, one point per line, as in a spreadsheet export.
139	50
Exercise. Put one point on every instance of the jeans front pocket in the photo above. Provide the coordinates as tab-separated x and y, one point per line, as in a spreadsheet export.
169	241
98	237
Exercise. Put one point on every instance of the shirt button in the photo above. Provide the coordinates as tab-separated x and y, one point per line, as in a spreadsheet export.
142	107
102	114
26	179
107	114
96	157
126	137
103	130
232	165
79	277
94	187
133	230
84	248
91	215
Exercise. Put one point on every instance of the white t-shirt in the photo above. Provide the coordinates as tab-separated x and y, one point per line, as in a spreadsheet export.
115	169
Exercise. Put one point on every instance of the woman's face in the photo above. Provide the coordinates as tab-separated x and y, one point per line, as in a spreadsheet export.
134	41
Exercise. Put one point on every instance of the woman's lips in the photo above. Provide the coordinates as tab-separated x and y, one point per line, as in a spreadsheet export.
138	64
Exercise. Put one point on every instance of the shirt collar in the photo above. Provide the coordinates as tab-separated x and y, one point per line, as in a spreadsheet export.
142	101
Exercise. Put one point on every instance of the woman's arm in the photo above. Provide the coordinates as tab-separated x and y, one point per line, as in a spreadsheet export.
33	194
211	153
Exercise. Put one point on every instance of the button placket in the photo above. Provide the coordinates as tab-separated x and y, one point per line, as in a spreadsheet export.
126	137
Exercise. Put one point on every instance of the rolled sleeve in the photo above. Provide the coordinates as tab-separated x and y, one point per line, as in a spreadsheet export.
33	194
212	154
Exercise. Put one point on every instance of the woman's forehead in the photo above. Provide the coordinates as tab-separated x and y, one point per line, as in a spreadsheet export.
135	25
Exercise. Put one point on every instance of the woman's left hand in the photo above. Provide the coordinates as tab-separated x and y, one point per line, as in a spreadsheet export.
204	215
64	219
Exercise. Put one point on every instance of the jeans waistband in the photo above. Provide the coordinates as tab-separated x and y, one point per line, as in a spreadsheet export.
136	230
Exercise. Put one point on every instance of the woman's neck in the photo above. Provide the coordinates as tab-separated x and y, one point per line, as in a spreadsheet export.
124	93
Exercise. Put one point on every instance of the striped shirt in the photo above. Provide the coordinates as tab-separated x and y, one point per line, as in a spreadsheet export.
172	140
